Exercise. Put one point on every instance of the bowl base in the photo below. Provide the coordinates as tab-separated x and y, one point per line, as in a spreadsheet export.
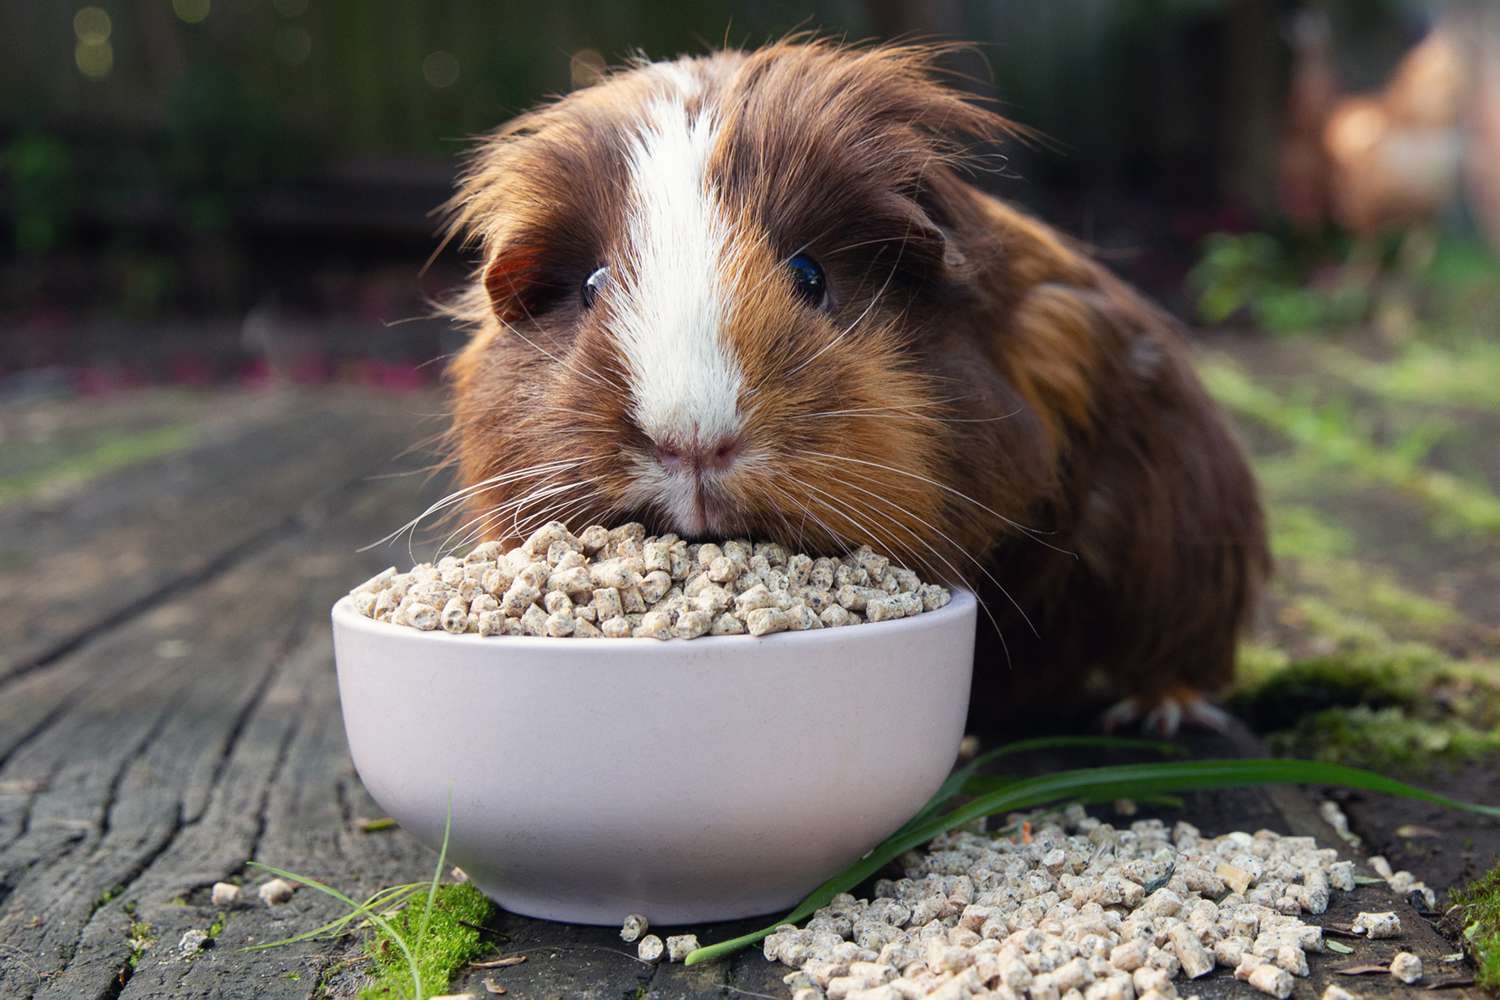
611	912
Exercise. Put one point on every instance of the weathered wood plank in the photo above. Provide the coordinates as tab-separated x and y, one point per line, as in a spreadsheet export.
178	742
165	523
155	749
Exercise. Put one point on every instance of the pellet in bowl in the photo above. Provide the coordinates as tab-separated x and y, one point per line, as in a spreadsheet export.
619	582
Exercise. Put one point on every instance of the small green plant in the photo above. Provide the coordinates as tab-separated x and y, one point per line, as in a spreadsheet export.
141	936
422	945
992	796
1480	908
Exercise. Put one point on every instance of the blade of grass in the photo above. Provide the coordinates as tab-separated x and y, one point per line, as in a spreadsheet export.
1117	781
437	874
376	919
385	898
955	783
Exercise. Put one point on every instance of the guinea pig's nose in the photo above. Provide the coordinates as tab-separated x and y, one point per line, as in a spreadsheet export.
697	456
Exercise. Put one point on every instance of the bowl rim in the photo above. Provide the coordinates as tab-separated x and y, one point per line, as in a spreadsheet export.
963	604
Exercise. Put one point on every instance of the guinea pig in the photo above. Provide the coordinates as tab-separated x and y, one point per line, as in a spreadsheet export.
756	294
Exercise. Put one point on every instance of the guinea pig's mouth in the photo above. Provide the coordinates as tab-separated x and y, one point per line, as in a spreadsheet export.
694	507
705	513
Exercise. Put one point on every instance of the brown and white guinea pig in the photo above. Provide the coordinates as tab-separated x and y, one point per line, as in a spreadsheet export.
752	294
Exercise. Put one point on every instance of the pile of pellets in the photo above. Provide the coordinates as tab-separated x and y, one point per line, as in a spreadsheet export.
620	583
1075	909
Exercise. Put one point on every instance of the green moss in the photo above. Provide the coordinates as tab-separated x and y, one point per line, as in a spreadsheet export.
1305	533
1353	632
1256	664
1481	919
1382	738
451	942
1370	592
1281	699
217	927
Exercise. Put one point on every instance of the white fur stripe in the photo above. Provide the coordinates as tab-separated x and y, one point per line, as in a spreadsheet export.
673	307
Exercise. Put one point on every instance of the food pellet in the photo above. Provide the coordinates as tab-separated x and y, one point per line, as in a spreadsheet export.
1377	925
1406	967
225	894
619	583
275	892
1071	909
679	946
1273	980
650	949
634	926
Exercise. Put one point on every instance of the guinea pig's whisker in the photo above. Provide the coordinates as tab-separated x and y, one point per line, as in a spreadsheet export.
958	575
1030	532
458	496
892	413
515	520
903	238
537	491
983	569
563	512
902	553
512	328
834	538
477	526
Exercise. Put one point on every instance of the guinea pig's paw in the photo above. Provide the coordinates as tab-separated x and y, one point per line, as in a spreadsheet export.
1165	714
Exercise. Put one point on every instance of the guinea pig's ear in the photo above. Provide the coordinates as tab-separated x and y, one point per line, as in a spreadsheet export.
509	278
935	200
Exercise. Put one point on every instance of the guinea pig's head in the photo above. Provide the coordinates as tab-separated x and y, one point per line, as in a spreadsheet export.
734	295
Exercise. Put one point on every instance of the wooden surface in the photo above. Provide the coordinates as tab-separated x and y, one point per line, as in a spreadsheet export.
168	710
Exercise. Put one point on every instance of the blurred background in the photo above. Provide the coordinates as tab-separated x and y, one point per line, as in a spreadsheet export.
215	216
200	190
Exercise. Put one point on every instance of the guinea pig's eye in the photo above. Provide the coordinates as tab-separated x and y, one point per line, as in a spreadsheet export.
808	279
592	286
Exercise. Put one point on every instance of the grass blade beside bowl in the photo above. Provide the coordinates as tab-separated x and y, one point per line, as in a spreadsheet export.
1114	781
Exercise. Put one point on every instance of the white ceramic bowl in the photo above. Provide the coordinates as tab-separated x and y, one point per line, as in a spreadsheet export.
686	780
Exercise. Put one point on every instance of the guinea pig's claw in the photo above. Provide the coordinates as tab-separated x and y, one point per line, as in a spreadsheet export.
1201	713
1121	713
1165	715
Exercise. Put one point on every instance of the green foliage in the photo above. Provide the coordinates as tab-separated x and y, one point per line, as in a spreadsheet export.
1480	901
443	936
1254	273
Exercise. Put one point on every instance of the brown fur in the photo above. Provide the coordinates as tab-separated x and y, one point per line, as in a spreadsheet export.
982	401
